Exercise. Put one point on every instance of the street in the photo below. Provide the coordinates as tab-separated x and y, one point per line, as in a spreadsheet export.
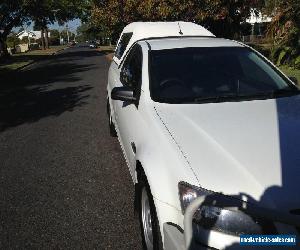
64	181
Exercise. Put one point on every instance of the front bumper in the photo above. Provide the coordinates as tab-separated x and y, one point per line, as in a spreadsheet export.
174	239
190	238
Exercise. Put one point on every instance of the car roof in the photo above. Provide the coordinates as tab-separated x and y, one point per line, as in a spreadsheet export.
188	42
146	30
142	30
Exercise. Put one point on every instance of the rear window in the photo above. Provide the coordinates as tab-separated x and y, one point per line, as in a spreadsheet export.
123	44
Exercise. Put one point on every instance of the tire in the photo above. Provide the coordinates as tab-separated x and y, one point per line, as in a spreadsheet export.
147	216
111	126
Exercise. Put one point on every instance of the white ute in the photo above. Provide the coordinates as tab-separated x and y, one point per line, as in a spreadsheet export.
210	130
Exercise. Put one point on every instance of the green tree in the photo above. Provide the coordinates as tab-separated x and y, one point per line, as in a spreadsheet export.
87	31
12	40
284	29
54	37
225	18
43	12
12	14
222	17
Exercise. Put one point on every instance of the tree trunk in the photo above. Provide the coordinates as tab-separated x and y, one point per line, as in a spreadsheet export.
3	47
43	39
46	38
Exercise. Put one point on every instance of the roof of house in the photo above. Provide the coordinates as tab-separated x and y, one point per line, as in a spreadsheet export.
32	33
26	33
146	30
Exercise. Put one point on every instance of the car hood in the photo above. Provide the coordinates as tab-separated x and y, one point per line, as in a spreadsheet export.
249	149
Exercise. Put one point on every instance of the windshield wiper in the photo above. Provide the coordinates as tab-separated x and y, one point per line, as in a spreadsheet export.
207	99
234	97
227	98
262	95
284	92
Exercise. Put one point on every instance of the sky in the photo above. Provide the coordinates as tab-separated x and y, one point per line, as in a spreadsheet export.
72	26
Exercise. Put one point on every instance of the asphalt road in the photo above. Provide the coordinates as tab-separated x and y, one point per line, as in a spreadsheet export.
64	183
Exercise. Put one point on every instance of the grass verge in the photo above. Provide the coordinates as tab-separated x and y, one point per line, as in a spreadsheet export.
20	60
108	51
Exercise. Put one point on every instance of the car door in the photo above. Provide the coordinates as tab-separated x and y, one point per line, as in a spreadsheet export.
127	112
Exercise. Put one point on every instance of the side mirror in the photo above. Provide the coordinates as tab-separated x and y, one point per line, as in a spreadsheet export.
123	94
294	80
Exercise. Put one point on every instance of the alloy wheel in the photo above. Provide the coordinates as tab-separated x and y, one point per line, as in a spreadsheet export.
146	219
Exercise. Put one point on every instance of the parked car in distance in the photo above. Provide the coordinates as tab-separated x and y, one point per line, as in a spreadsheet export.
210	132
72	43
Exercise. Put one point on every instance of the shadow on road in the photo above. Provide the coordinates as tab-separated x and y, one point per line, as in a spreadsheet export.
81	53
46	89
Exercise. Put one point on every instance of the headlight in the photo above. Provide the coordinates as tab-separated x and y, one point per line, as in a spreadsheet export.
216	213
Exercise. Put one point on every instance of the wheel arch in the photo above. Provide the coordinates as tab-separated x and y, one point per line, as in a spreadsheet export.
164	211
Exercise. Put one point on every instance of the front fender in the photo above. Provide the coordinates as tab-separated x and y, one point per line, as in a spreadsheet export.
164	170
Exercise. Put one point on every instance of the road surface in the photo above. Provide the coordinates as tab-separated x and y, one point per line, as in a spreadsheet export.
64	182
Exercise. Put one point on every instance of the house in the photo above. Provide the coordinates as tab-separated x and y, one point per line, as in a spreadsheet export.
258	25
258	18
32	34
258	22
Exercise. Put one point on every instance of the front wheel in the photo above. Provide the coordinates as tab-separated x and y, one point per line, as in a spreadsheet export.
150	231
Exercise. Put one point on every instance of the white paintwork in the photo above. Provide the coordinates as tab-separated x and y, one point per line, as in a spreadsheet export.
242	143
171	43
248	149
143	30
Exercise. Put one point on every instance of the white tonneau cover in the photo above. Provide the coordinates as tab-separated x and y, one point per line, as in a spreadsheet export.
144	30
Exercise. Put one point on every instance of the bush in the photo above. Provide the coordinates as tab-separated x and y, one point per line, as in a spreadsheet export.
297	62
285	30
12	41
283	55
266	51
54	41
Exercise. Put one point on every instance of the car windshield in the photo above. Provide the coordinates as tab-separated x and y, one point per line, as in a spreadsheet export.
214	74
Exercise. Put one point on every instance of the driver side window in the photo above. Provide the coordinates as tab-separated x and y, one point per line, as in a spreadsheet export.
131	72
